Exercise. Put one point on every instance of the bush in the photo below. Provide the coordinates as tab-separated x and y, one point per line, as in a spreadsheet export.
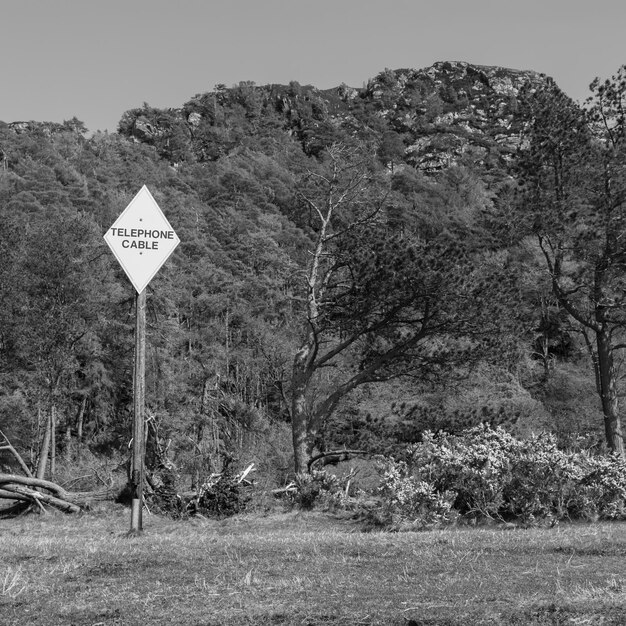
601	493
318	488
542	480
475	465
485	473
409	502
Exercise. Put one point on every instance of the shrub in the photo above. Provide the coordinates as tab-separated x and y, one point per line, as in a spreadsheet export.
601	492
475	465
409	502
542	480
318	488
487	473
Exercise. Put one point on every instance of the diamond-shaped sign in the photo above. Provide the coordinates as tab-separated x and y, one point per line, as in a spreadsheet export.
141	239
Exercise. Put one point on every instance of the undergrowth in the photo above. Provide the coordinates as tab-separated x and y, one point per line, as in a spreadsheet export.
483	474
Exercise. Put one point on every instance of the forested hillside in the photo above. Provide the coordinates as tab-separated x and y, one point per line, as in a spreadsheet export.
439	248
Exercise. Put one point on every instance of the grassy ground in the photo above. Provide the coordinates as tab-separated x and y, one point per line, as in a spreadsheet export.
304	569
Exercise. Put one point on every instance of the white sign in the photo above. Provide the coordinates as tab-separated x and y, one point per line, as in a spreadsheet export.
141	239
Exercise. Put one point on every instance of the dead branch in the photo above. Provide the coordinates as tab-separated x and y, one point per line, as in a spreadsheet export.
335	456
281	491
245	472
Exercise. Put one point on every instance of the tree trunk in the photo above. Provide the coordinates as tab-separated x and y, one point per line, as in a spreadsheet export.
67	441
199	461
199	436
53	442
299	412
79	426
608	393
80	420
43	454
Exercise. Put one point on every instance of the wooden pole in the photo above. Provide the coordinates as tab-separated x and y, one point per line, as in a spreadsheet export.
139	390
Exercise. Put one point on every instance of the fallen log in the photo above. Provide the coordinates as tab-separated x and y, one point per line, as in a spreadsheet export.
84	499
38	491
30	481
10	495
38	497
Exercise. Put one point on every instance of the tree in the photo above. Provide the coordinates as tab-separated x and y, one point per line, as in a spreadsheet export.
573	176
380	301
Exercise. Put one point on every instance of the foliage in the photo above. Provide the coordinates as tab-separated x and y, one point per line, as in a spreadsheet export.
485	473
474	465
602	491
421	274
385	420
318	489
390	290
573	203
409	502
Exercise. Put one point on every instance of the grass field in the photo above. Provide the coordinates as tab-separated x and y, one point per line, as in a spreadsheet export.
305	569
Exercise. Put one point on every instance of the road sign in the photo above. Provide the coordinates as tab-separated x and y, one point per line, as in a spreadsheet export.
141	239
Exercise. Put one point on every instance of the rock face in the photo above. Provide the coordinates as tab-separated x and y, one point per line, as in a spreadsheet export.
451	112
453	109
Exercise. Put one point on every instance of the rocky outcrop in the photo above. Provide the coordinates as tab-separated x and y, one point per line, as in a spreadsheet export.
450	112
453	109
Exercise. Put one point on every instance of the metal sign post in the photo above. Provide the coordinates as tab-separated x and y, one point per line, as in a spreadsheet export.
141	240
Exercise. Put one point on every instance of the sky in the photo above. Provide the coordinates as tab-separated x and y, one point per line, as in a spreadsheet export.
96	59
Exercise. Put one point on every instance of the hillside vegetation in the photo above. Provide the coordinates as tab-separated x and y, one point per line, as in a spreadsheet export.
438	249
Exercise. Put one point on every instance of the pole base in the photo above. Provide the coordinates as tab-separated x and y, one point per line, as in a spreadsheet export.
136	525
